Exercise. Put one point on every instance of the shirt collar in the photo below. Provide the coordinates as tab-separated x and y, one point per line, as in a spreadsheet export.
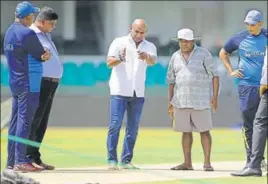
35	28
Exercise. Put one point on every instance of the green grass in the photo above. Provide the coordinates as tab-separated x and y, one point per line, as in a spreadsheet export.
247	180
87	146
83	147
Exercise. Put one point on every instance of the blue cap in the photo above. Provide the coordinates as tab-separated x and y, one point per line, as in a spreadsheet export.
253	17
24	9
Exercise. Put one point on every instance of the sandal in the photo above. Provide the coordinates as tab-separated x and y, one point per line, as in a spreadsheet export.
182	167
208	168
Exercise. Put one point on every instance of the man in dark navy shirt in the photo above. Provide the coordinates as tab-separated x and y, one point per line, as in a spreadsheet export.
24	55
251	45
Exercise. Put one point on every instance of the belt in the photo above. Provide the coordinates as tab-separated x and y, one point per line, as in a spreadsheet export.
51	79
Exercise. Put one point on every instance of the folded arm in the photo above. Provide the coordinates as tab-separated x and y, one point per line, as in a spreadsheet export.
33	46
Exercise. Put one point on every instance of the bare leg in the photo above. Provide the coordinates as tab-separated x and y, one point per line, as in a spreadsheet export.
187	141
206	144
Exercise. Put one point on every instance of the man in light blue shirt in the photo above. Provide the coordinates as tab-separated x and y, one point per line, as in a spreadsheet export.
52	72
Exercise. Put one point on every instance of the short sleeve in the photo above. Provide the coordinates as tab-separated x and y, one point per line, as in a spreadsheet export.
153	51
114	49
171	72
231	45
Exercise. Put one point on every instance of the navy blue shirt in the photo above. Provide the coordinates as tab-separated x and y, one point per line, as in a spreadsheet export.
23	52
251	51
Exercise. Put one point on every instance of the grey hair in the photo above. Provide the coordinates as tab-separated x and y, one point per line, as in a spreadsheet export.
47	13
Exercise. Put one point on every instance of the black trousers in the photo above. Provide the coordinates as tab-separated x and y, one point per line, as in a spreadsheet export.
40	120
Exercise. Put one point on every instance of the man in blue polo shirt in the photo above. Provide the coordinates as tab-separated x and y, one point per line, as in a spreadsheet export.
251	45
259	130
24	55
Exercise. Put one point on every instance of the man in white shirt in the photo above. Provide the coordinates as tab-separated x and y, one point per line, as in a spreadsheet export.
52	72
128	57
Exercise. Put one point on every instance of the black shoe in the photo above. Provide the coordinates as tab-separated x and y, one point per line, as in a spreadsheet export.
248	172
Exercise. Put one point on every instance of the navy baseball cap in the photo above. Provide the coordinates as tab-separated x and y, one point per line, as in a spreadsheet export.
24	9
253	17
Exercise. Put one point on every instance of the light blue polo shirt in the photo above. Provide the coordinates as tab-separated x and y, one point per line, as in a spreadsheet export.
251	51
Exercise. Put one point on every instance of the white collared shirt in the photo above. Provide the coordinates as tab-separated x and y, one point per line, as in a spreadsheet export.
53	67
129	76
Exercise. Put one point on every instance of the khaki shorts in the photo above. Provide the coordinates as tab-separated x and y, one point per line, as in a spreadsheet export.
190	120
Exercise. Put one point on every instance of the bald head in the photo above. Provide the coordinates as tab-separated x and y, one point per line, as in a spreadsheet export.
138	30
139	23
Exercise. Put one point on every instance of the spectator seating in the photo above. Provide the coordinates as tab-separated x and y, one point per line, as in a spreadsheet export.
89	74
70	75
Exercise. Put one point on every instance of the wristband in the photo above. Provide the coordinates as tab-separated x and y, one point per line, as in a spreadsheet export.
120	58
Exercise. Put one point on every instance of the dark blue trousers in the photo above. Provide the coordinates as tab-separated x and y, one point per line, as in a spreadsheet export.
249	101
118	106
24	105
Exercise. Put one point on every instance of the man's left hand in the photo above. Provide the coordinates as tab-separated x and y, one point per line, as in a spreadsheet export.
214	104
143	55
262	89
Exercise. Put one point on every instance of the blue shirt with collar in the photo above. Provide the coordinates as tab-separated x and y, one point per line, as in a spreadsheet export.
251	51
53	67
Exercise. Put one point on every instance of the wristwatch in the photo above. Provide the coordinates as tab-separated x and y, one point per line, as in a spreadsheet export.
120	58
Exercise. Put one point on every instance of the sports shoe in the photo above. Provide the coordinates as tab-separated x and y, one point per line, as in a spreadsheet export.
128	166
113	166
27	167
247	172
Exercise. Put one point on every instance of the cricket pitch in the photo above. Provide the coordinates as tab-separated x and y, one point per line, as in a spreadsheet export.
147	173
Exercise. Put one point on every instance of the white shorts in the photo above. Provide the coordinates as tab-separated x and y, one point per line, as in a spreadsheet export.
190	120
